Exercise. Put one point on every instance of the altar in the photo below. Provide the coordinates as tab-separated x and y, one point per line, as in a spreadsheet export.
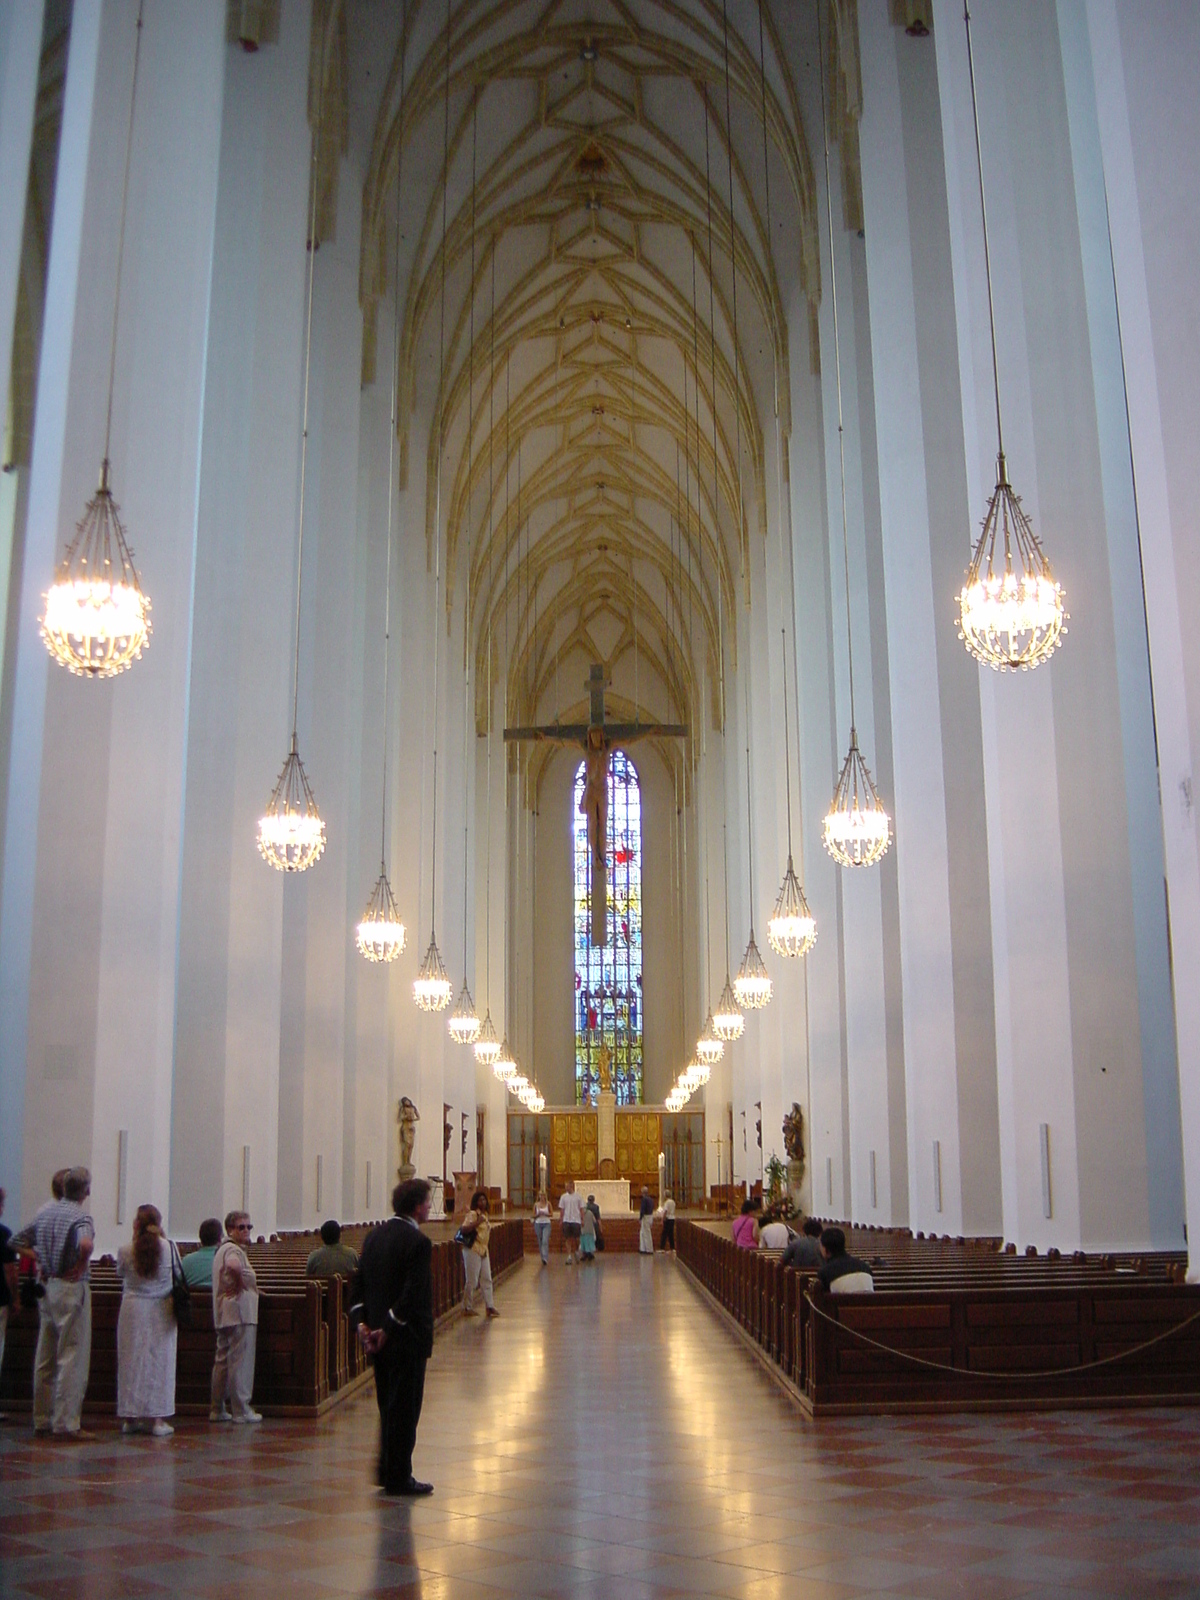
612	1195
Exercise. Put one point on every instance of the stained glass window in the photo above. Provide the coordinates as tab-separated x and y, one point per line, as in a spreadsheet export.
608	977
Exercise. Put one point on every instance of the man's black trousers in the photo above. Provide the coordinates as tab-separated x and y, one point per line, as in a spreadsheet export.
399	1390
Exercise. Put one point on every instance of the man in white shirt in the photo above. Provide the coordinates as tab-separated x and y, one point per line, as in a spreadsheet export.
235	1317
571	1209
774	1235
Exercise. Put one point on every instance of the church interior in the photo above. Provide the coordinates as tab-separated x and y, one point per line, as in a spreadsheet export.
594	591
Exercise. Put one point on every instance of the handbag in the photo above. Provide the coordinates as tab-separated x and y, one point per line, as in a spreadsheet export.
181	1293
465	1237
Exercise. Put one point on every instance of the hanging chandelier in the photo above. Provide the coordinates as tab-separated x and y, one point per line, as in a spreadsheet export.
753	983
291	832
699	1072
728	1022
463	1022
487	1046
381	935
856	830
431	987
792	930
1012	612
709	1046
96	620
504	1067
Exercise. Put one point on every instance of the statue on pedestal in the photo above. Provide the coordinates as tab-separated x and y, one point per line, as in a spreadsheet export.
604	1067
407	1116
793	1143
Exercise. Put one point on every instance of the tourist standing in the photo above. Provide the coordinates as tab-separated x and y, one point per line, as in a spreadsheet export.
393	1307
587	1234
542	1223
146	1329
646	1224
477	1227
595	1210
572	1216
235	1317
64	1236
197	1264
668	1225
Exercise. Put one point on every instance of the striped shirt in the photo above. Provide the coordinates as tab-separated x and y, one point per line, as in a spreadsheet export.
52	1231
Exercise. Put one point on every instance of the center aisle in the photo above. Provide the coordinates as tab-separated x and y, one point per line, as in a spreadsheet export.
607	1437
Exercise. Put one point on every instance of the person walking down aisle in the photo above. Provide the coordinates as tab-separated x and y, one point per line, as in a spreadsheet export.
542	1223
64	1236
235	1317
587	1235
571	1212
146	1330
392	1305
476	1228
646	1225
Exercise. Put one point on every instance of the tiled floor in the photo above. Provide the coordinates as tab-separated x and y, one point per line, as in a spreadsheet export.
606	1437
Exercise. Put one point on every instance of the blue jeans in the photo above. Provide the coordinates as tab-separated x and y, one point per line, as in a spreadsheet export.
541	1226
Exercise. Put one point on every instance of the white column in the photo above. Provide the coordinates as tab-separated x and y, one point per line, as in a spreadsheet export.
20	59
1150	136
228	1034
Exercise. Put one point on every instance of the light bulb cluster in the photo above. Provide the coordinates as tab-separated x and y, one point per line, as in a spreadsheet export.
1010	608
857	829
464	1022
727	1021
381	935
752	986
431	987
710	1047
694	1076
291	832
792	929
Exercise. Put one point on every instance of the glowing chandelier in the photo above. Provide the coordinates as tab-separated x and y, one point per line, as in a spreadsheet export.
1011	610
504	1067
432	989
96	620
857	829
381	935
463	1021
753	982
728	1022
792	929
487	1046
709	1047
291	832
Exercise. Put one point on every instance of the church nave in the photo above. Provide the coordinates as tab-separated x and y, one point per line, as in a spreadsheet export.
607	1437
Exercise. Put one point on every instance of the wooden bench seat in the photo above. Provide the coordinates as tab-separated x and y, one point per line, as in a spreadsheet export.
960	1331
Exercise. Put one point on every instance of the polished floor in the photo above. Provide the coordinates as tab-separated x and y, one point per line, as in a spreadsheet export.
607	1437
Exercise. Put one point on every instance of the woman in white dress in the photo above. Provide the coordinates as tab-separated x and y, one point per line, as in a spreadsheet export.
146	1331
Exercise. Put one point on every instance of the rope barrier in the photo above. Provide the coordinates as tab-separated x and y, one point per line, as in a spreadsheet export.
975	1372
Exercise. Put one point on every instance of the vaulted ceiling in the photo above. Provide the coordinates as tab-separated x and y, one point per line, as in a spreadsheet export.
625	209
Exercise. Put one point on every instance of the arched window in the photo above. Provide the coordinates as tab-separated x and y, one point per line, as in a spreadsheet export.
608	977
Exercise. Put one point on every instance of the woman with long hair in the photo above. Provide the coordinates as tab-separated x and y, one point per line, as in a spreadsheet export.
476	1226
146	1331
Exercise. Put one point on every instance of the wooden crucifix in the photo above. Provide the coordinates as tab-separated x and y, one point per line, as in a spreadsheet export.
597	739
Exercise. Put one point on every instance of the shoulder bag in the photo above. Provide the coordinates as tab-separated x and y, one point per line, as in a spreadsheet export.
181	1294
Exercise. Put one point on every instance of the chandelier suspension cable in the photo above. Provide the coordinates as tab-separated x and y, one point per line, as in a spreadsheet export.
857	829
432	989
464	1020
987	254
381	936
112	350
792	928
291	834
1011	609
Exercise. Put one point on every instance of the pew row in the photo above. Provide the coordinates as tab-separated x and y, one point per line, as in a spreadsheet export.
959	1337
306	1359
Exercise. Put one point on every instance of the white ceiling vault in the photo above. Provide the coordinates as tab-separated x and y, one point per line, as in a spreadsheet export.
605	439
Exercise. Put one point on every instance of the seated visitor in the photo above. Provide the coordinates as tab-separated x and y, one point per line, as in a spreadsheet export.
804	1249
842	1273
774	1234
197	1264
333	1259
745	1226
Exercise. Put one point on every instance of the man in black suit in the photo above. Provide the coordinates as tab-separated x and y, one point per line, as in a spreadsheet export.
394	1310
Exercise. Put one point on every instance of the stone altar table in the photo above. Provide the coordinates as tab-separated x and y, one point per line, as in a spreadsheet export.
612	1195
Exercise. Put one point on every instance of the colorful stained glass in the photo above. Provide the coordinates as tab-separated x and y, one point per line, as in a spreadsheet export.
608	978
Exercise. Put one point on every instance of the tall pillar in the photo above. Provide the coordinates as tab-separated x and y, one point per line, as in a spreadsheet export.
1149	130
94	824
226	1104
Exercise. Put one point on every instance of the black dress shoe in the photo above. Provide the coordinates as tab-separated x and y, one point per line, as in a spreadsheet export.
413	1486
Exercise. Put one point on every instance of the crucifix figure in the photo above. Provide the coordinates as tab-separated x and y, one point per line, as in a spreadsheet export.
597	739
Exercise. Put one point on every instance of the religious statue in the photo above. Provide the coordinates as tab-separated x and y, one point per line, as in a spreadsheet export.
604	1067
793	1143
407	1116
593	803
